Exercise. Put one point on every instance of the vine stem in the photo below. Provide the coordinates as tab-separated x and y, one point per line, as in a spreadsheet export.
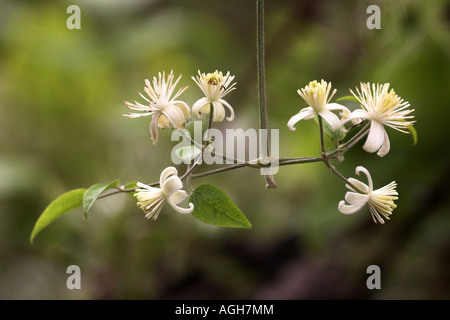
260	64
325	157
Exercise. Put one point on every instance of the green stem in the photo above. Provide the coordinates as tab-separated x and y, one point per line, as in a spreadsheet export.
210	121
333	169
289	161
322	140
260	64
214	171
260	61
326	157
351	142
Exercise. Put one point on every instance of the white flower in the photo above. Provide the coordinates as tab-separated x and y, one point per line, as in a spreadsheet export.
164	108
380	201
214	86
151	199
316	95
382	108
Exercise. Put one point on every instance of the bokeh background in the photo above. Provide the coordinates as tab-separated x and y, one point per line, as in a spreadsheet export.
62	94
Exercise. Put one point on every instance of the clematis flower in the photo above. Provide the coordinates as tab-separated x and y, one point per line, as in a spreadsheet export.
317	95
151	199
380	201
164	109
382	108
214	86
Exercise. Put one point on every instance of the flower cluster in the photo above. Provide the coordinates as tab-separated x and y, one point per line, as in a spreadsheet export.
379	106
167	110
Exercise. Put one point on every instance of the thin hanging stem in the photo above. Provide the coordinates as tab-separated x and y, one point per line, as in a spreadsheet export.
260	63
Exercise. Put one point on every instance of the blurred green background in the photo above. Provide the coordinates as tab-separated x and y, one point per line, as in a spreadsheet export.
62	95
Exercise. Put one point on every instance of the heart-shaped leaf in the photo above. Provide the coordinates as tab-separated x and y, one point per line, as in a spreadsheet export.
212	206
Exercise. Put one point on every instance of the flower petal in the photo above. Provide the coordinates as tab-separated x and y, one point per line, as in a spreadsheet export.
166	173
175	116
376	137
183	107
360	185
358	114
231	117
171	185
218	111
348	209
178	196
180	209
303	114
163	122
356	199
336	106
385	147
198	105
367	173
331	118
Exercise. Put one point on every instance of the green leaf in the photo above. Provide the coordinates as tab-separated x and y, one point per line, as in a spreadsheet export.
351	98
188	153
58	207
212	206
413	133
91	194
